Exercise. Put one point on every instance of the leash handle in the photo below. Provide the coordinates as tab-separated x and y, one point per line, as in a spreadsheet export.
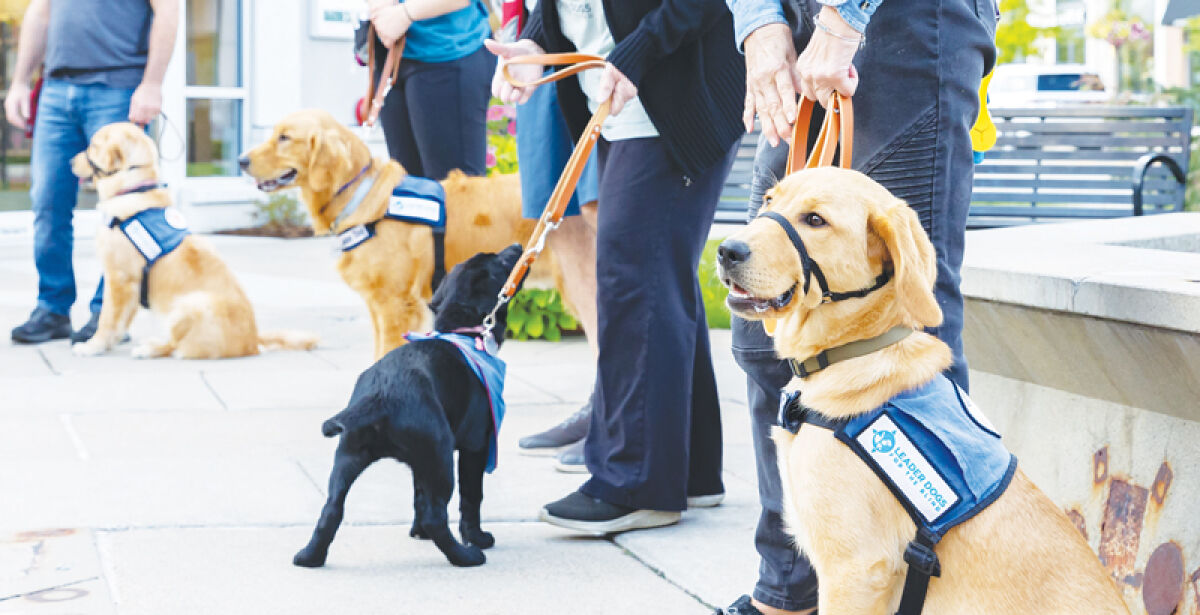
838	127
578	62
377	92
557	205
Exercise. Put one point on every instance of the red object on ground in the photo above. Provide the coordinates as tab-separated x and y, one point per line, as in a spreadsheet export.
360	110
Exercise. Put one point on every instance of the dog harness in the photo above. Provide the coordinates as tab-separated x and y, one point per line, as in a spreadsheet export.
936	452
155	232
487	367
415	199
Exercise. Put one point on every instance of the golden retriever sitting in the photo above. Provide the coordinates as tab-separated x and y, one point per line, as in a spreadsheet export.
206	312
1021	554
393	271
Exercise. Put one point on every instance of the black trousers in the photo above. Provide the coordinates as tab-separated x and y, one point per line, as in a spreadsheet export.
435	117
655	436
917	99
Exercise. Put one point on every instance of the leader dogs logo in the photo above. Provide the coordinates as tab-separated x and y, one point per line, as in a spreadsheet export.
908	468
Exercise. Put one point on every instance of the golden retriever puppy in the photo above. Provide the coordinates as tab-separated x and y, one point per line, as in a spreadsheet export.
206	313
393	270
1021	554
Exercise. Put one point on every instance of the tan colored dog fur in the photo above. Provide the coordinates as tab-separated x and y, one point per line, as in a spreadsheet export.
206	311
394	270
1020	555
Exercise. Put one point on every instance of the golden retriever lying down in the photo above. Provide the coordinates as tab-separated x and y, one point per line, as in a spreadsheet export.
393	271
206	312
1020	555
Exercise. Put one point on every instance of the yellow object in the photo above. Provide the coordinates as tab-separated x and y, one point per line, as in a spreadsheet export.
13	10
983	133
769	326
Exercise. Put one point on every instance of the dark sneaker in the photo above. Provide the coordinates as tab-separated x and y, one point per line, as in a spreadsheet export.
42	326
588	514
741	606
86	332
550	442
570	460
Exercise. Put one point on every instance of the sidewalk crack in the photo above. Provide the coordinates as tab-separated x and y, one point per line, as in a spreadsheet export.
663	575
211	389
49	365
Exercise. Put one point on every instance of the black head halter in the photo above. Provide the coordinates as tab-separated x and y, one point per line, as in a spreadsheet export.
102	173
812	269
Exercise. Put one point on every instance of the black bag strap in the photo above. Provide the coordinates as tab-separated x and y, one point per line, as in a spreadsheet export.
922	564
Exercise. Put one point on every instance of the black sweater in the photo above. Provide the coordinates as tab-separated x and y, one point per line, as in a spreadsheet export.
682	57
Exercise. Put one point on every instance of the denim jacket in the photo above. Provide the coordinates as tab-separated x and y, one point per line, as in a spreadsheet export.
750	15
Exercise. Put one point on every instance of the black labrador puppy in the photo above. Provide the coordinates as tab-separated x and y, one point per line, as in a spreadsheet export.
417	405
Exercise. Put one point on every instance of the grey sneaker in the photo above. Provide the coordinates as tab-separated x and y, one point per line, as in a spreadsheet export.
570	460
548	443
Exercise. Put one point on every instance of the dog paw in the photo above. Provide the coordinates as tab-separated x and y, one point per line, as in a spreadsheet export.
142	351
479	538
417	532
468	556
90	348
309	559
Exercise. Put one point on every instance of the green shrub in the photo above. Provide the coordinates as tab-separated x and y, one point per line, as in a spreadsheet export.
539	313
281	209
712	289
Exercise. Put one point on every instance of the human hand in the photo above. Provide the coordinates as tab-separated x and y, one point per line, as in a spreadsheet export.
826	65
16	105
615	85
770	91
145	104
391	21
525	73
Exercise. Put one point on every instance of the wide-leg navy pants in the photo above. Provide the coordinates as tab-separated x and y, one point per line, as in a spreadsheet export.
916	102
655	436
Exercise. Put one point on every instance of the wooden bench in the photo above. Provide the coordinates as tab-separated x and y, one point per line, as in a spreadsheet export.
1082	162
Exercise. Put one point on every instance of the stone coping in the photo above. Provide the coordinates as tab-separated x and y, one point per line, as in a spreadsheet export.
1143	270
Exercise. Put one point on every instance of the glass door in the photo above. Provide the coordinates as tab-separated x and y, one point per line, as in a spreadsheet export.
215	87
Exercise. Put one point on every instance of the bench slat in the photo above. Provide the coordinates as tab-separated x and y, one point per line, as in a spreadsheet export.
1069	184
1176	113
1036	153
1000	196
1099	126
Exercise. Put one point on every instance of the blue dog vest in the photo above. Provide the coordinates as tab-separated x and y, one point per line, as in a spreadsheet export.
938	455
155	232
487	367
415	199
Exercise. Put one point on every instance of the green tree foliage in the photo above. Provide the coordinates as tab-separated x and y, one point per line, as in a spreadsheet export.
1015	38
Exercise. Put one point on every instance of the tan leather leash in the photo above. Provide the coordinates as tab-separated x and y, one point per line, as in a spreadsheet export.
838	128
377	92
556	206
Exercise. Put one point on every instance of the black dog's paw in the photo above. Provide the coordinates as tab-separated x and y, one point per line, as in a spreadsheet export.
479	538
309	559
332	428
467	556
418	532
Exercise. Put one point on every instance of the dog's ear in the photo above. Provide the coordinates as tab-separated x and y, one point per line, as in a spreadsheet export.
913	260
328	159
80	166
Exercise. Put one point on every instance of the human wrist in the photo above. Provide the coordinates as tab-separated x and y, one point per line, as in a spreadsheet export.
747	23
834	23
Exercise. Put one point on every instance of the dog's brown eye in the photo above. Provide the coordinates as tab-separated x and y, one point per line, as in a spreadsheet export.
767	201
284	138
814	220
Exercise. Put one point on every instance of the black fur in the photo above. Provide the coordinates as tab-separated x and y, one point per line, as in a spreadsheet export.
417	405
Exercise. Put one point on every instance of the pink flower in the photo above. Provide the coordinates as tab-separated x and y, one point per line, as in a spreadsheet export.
510	111
512	128
490	160
495	112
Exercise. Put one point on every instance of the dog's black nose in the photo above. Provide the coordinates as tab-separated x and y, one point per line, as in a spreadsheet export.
732	252
244	162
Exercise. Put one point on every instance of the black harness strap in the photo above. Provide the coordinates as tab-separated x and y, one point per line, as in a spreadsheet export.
144	287
439	256
812	269
920	555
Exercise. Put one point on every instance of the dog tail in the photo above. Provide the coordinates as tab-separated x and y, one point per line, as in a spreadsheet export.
287	340
360	413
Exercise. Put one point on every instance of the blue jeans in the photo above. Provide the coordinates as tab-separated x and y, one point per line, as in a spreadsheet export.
917	98
68	115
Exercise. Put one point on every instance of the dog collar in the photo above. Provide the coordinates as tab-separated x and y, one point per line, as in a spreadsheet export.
853	350
346	185
356	199
812	269
142	187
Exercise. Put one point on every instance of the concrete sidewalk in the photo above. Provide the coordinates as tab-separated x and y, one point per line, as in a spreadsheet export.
177	487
